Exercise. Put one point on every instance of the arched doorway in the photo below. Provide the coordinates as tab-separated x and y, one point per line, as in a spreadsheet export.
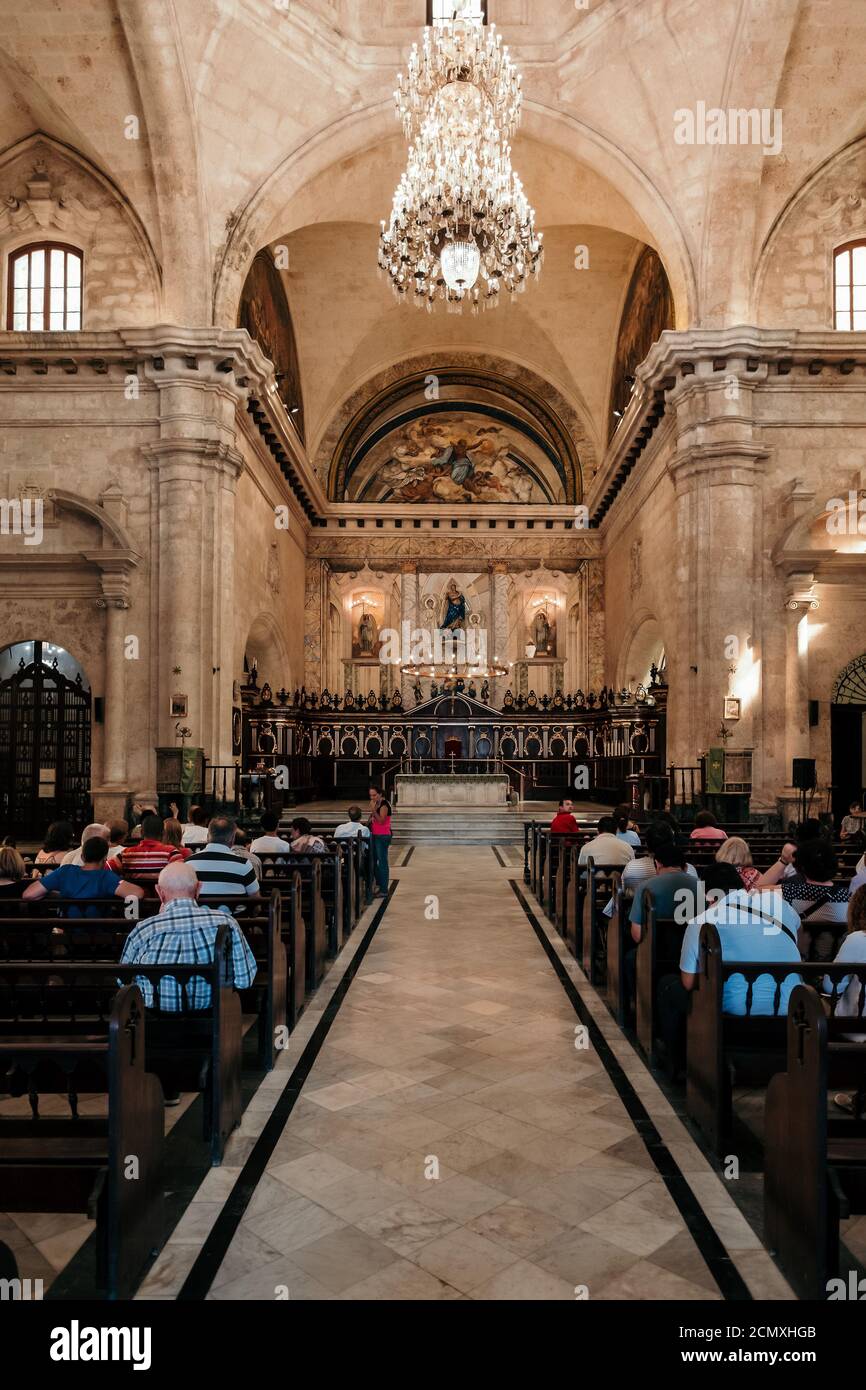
45	705
848	737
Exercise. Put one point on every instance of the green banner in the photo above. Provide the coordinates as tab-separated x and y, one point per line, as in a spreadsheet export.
715	771
188	760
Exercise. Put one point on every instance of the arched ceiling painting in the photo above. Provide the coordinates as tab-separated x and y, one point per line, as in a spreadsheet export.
456	438
264	312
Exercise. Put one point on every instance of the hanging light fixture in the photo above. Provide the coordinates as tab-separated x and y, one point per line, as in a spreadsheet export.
461	262
461	229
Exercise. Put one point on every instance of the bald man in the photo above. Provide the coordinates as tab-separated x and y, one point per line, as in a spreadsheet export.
183	933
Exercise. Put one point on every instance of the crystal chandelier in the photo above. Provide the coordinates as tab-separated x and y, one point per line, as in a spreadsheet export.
461	228
470	58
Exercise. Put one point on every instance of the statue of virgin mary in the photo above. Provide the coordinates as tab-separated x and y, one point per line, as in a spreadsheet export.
453	609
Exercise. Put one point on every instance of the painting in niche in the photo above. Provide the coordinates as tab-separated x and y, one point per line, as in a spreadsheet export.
457	456
648	311
265	314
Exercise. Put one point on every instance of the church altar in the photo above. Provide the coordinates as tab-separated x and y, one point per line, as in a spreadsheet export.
458	789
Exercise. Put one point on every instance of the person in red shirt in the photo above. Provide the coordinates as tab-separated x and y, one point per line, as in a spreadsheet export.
150	855
563	822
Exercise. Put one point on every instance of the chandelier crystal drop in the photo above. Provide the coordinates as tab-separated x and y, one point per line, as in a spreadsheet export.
461	228
461	262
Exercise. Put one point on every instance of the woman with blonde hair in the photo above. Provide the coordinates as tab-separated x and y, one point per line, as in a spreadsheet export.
172	834
735	851
13	873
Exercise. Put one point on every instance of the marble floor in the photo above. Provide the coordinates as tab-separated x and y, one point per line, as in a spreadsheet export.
453	1140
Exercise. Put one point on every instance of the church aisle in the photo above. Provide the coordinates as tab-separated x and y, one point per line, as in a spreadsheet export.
450	1140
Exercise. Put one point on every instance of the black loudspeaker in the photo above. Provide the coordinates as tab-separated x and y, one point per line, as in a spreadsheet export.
99	709
803	776
814	714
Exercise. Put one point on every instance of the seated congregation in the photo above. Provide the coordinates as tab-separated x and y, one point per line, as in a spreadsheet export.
165	967
735	958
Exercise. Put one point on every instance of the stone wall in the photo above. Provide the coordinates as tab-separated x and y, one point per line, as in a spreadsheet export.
795	274
58	196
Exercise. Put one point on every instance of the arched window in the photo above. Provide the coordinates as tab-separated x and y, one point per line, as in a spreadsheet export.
440	11
45	284
850	286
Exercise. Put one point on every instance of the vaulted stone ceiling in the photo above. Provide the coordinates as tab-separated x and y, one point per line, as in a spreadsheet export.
260	121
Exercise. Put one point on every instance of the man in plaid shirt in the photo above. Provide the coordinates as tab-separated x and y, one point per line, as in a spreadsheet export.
184	933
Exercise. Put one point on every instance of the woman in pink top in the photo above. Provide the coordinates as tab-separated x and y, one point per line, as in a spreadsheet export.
707	828
380	830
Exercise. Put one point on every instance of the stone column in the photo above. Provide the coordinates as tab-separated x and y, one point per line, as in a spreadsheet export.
115	732
800	601
715	567
123	657
195	467
409	613
497	636
315	616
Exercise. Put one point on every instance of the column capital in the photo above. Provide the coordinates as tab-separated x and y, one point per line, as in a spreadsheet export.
800	593
175	457
719	464
112	601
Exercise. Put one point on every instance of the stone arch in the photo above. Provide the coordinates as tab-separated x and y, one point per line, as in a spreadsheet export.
114	532
836	213
568	420
644	644
265	643
265	212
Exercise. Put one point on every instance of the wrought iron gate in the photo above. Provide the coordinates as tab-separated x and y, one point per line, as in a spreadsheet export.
44	747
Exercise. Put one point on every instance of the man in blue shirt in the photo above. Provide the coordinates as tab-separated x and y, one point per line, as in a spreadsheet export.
752	927
670	879
89	880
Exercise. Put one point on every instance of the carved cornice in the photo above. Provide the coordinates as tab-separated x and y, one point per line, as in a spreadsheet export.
426	550
756	358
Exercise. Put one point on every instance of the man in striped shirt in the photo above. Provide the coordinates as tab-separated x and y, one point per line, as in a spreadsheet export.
150	855
224	877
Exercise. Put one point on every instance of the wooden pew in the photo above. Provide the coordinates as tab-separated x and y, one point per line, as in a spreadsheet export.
568	900
541	839
32	938
602	883
197	1050
814	1161
619	941
554	844
308	868
558	870
725	1049
657	954
81	1163
527	851
269	990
